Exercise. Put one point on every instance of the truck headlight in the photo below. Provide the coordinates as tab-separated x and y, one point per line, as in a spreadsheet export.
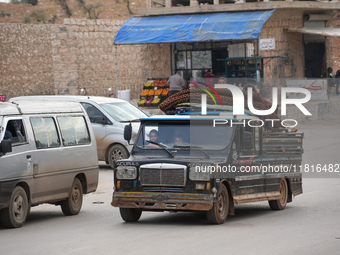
199	174
126	172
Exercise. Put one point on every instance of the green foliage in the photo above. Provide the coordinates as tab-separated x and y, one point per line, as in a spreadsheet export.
15	1
92	10
27	18
32	2
4	14
64	6
37	16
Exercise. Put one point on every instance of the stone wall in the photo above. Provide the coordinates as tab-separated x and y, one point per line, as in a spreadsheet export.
286	44
63	59
84	57
26	66
336	45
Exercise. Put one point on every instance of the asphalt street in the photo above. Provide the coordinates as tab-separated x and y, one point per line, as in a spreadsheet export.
308	225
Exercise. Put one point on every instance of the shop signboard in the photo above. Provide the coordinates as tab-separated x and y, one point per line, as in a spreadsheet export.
317	88
267	44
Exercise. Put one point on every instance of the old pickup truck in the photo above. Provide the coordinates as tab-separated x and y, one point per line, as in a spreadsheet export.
207	164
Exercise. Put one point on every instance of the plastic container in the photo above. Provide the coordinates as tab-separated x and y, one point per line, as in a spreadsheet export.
124	94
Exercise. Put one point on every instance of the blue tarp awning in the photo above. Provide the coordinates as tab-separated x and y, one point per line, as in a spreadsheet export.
193	28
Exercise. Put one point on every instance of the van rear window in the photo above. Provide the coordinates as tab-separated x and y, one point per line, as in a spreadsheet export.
73	130
45	132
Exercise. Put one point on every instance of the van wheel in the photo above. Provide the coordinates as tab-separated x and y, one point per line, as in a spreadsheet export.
129	214
117	152
15	215
72	205
281	203
219	213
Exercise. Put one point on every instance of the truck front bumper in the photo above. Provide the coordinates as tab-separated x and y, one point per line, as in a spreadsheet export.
163	201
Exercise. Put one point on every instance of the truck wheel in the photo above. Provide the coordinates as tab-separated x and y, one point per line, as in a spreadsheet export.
219	213
129	214
117	152
72	205
15	215
281	203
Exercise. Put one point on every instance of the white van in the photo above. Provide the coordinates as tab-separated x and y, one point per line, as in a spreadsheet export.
47	155
108	117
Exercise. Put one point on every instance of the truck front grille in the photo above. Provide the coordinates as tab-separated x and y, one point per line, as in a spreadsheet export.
163	175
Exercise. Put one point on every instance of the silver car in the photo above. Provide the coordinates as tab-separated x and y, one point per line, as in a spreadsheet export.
108	117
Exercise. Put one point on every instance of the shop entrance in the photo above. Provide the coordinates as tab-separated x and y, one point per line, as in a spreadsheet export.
314	54
219	66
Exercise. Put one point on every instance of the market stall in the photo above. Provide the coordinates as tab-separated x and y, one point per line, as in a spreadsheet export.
155	91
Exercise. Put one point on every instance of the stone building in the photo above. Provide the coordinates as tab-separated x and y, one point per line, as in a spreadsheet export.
298	28
79	57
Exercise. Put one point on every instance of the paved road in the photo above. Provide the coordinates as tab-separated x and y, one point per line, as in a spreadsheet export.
309	225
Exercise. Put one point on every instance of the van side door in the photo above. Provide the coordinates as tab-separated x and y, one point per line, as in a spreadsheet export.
54	159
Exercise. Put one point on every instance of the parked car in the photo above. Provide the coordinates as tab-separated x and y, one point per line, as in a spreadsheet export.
47	155
108	117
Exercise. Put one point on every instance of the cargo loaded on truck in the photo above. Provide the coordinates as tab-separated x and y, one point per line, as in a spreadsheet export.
207	164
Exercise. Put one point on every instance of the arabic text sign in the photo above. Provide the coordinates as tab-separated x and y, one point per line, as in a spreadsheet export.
267	44
2	97
317	88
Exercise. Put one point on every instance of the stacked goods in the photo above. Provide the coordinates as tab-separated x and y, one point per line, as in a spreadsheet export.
156	101
144	92
151	92
165	92
158	92
190	100
155	83
149	101
148	84
154	92
163	83
141	102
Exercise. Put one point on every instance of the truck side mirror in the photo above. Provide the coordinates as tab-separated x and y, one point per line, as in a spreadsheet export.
5	146
128	132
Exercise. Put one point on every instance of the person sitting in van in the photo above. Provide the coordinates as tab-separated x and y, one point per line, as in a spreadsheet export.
90	112
8	135
178	140
153	137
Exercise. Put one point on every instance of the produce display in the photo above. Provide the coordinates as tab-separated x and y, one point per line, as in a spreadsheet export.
158	92
154	92
141	102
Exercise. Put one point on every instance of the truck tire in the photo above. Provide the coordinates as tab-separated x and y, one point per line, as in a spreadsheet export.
117	152
219	213
74	202
281	203
129	214
15	215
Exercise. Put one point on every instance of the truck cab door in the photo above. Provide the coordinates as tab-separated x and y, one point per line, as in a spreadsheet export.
250	178
16	164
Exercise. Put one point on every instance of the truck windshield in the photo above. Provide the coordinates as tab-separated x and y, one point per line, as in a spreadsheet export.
123	111
183	136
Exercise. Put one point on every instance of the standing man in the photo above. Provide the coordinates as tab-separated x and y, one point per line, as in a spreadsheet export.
176	83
